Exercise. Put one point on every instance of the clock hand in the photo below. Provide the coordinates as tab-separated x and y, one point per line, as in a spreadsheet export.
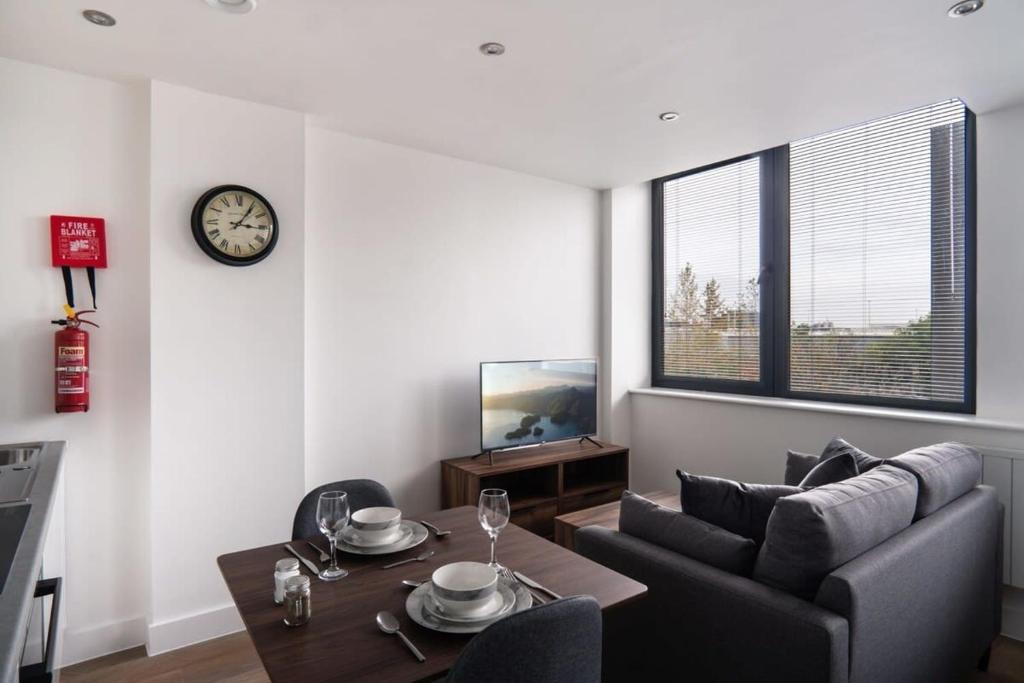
246	215
246	225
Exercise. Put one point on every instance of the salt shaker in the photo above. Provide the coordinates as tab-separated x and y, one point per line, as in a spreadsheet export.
285	568
297	608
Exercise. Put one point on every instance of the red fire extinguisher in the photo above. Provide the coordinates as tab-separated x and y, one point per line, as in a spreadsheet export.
71	360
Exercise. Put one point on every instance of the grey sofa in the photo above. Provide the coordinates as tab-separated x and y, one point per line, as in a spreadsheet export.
922	606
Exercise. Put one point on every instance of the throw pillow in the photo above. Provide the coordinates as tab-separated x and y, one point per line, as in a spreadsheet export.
838	446
812	533
686	535
841	467
798	466
742	509
944	472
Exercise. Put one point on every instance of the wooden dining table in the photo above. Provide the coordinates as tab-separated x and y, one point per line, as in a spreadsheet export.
342	642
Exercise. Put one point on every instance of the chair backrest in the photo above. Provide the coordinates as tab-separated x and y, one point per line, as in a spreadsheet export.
362	493
559	642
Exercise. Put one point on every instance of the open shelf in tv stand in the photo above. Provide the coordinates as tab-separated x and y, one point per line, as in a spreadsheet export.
542	482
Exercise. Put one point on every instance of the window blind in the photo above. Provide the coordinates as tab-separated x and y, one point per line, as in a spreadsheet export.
877	258
711	247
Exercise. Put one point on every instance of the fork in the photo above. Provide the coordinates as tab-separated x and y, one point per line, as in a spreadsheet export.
323	556
437	532
507	574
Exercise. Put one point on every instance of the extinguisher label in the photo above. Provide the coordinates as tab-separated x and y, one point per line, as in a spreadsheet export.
71	370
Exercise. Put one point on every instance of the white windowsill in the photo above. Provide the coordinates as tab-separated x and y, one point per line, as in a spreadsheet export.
835	408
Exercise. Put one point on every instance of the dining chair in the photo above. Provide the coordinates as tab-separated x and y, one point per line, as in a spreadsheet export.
362	493
558	642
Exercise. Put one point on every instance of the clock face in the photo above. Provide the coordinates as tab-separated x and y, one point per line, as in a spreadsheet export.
234	225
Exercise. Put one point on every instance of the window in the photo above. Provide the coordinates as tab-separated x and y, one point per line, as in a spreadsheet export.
839	267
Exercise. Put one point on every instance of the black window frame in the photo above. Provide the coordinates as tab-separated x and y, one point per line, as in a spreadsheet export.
774	320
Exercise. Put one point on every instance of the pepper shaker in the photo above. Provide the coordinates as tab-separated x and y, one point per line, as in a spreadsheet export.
297	608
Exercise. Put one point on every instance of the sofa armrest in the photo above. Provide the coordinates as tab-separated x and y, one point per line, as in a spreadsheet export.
700	623
924	605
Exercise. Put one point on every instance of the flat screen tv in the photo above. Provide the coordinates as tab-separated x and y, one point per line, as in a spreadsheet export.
523	403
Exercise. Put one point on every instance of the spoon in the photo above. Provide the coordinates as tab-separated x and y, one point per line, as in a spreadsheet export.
411	583
437	532
418	558
387	622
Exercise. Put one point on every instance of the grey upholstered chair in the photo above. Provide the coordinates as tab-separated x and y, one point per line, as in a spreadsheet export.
362	493
559	642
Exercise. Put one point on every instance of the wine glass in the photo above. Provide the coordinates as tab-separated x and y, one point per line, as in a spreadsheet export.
332	515
493	513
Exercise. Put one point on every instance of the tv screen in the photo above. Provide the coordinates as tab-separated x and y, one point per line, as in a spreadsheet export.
529	402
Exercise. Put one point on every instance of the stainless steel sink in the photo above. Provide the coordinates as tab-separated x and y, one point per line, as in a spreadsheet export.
17	470
19	454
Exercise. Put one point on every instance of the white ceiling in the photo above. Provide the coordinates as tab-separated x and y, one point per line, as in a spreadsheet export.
577	95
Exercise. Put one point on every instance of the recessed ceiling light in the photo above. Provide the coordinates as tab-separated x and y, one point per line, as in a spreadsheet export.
492	49
99	18
233	6
965	7
668	116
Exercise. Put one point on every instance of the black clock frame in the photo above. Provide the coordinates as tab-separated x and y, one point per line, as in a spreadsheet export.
199	232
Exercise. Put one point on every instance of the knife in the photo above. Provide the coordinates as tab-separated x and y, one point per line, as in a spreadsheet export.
533	584
309	565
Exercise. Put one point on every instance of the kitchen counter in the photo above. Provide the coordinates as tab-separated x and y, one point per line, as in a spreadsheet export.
29	475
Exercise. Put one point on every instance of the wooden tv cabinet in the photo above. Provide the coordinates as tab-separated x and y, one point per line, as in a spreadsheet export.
542	482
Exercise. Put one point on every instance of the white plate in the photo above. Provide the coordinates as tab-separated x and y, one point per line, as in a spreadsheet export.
413	534
522	600
501	602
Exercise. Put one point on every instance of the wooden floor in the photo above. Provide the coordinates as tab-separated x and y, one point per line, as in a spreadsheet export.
232	659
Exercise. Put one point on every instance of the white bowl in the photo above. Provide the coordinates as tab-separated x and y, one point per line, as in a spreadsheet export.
464	587
376	525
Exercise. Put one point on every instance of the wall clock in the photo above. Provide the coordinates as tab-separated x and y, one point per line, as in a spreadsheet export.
234	225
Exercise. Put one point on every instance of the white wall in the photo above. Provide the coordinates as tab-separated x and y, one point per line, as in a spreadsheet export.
749	442
227	357
419	267
76	145
626	303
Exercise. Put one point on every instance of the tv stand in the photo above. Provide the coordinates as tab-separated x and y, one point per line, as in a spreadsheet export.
542	481
489	454
587	438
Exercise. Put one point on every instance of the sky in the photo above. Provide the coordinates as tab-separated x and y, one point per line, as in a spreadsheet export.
860	222
505	378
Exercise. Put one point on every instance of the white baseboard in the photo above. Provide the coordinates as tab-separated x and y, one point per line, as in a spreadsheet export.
79	645
1013	613
172	634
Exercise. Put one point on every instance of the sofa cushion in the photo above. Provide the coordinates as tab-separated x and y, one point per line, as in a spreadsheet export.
944	472
686	535
837	468
798	466
812	533
838	446
742	509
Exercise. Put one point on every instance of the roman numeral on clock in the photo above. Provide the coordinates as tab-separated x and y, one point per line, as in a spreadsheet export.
261	214
214	234
223	244
225	200
238	249
238	199
252	247
261	239
213	221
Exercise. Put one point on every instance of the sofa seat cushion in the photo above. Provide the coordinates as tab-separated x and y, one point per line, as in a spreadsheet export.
944	472
811	533
838	468
742	509
686	535
837	447
798	466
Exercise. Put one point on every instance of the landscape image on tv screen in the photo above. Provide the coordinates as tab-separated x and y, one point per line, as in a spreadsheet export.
530	402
